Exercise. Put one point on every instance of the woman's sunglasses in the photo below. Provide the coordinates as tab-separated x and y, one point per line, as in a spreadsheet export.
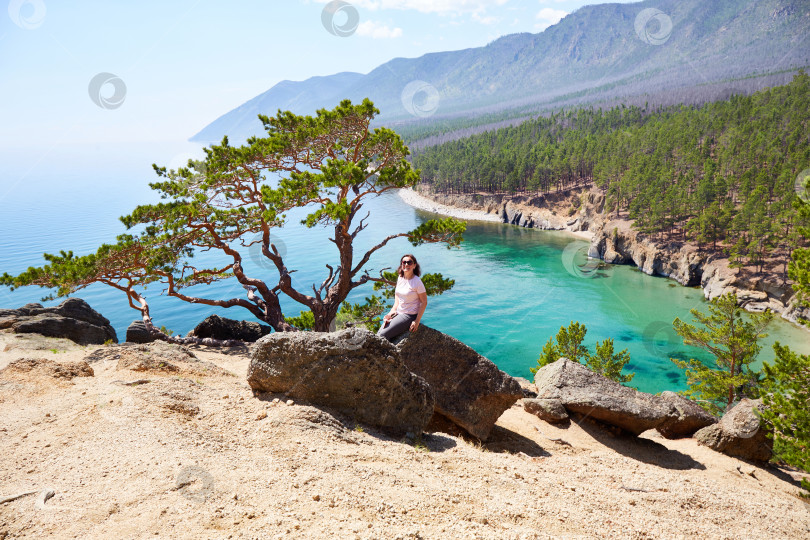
406	263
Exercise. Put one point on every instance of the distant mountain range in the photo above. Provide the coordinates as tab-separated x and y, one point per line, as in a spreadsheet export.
596	54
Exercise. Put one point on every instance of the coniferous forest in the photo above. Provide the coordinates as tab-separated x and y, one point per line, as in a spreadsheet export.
720	174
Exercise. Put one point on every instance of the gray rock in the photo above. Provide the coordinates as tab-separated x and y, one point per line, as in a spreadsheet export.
137	333
739	433
353	371
582	391
529	390
470	390
691	417
550	410
73	319
221	328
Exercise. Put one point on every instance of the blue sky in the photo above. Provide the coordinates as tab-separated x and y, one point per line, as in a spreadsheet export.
178	65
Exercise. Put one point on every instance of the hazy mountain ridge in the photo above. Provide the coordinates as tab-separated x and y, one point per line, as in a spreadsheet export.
595	51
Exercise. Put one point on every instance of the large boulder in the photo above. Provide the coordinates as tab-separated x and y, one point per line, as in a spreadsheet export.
739	433
137	333
691	417
470	390
353	371
73	319
582	391
221	328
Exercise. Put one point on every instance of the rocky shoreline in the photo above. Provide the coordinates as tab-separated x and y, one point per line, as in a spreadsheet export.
581	212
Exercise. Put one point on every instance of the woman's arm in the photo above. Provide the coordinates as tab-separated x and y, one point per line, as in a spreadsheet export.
422	306
393	311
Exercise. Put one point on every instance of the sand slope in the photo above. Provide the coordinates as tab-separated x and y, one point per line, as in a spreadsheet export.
192	454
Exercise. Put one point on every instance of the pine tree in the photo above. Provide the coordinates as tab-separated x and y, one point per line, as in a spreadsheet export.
567	344
799	268
733	343
606	362
331	164
786	396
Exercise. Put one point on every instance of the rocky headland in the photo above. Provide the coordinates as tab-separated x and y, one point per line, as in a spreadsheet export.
312	435
615	241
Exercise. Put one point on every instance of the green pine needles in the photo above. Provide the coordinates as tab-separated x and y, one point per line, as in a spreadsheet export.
229	206
568	344
733	341
786	394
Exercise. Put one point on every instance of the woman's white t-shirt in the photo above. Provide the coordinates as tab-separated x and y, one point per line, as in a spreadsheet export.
407	292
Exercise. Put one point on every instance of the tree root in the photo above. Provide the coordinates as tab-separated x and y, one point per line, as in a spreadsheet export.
5	500
44	496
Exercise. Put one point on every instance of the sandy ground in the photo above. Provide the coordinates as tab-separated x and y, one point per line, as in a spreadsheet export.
188	452
420	202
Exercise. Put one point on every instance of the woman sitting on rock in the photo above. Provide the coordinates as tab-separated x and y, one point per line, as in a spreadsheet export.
410	301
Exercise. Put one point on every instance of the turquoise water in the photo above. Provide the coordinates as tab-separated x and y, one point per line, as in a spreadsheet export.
514	287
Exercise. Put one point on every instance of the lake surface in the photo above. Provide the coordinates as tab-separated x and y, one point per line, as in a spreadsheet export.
514	287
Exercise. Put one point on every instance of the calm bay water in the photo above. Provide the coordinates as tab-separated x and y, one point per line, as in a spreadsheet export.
514	287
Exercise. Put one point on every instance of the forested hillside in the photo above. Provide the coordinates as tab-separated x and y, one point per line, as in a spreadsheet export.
720	174
596	55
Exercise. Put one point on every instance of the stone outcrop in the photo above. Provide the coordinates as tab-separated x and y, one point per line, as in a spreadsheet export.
73	319
739	433
221	328
691	417
137	333
550	410
582	391
470	390
353	371
529	390
538	212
